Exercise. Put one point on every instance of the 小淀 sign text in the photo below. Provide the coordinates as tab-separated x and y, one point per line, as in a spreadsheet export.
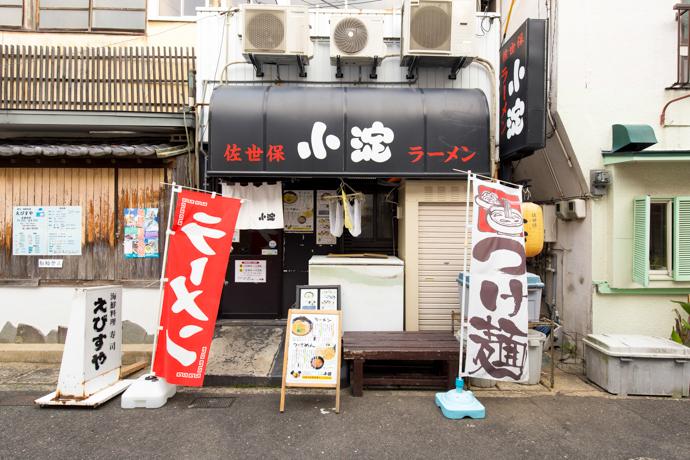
359	131
522	116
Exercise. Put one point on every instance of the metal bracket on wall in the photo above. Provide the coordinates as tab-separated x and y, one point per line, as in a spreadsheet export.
338	67
455	68
257	66
373	74
412	68
300	65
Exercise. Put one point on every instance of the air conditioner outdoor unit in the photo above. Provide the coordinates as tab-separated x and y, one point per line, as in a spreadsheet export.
357	39
275	34
434	30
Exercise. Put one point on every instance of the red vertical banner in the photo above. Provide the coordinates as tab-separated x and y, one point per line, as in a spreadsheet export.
198	252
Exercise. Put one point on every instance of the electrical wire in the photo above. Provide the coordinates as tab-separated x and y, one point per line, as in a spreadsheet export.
170	29
481	23
228	14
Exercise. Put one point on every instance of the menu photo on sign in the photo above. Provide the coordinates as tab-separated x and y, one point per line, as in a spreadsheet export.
323	224
298	211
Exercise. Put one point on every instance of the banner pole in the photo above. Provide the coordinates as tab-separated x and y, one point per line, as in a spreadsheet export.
465	286
491	179
175	188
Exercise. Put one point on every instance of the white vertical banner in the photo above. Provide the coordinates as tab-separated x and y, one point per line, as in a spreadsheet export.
497	346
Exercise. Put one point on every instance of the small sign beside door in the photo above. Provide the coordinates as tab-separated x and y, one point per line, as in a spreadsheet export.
318	297
250	271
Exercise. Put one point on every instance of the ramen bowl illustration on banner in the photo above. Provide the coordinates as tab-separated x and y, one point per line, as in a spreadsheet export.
301	326
500	215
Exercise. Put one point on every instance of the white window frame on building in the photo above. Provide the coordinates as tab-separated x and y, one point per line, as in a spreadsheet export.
78	16
677	239
683	45
155	6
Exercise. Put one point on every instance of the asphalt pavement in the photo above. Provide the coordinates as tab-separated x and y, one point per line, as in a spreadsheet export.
236	423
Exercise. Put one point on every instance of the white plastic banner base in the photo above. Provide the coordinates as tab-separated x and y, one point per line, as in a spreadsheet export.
148	392
92	401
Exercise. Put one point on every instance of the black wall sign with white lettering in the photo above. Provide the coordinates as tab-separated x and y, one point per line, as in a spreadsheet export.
522	115
358	132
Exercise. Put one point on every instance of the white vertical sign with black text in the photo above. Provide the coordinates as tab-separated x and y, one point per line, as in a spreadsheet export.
497	331
91	361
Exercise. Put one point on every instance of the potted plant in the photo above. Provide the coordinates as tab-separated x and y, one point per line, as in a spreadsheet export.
681	330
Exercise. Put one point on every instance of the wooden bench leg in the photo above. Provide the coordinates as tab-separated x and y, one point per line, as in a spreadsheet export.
452	370
358	377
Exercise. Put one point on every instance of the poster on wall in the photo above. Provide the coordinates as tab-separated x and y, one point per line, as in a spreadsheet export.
250	271
298	211
141	233
46	230
323	225
497	342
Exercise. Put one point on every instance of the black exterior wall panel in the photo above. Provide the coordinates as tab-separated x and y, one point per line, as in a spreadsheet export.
244	112
433	131
447	120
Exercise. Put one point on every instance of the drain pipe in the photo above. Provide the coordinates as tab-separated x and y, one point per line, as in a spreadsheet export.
662	117
551	268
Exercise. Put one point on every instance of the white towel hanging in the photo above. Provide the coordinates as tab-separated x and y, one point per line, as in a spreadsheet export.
335	218
356	217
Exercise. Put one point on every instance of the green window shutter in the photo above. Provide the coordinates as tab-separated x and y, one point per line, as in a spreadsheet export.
681	238
640	263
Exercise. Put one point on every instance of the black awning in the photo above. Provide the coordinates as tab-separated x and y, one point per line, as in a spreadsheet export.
298	131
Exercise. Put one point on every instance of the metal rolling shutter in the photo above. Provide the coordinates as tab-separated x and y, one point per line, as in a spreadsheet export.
441	249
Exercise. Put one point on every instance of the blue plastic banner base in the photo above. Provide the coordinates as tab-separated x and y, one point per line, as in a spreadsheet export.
457	404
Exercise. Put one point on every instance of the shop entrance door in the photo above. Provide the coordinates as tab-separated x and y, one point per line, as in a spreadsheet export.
254	279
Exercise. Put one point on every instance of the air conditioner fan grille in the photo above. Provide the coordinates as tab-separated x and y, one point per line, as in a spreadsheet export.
350	35
430	27
265	31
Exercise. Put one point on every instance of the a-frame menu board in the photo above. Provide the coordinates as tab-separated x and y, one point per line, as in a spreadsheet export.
312	352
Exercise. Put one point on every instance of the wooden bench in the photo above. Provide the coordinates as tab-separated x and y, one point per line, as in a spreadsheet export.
359	347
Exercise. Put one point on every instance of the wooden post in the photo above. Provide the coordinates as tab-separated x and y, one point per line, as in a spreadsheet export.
451	372
358	377
340	356
285	358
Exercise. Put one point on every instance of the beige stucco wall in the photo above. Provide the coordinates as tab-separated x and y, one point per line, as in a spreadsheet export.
616	215
605	71
632	314
624	314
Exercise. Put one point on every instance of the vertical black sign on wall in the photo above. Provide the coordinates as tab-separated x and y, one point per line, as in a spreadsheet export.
523	91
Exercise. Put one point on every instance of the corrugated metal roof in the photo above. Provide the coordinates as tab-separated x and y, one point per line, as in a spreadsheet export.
92	150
